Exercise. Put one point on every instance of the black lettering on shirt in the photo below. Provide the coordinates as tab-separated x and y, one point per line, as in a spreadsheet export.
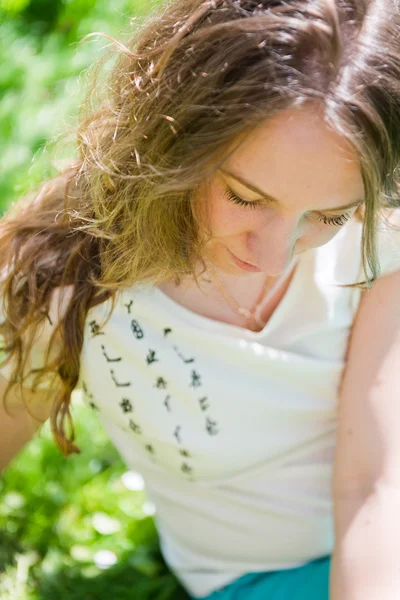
107	357
136	329
196	382
127	384
203	403
211	426
151	357
128	306
95	328
135	427
126	405
177	433
161	383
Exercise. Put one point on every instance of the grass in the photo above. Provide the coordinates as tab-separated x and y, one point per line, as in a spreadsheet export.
78	527
82	527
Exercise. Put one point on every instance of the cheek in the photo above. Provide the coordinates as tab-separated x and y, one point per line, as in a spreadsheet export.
319	236
228	219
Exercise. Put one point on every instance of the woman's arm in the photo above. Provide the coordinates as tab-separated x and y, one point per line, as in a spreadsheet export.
366	477
17	425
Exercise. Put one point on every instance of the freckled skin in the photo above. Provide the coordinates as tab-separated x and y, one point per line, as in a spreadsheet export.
304	165
298	160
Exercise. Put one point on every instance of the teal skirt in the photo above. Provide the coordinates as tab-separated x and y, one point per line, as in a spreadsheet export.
307	582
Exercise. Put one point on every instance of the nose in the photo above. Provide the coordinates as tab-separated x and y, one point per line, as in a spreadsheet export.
272	246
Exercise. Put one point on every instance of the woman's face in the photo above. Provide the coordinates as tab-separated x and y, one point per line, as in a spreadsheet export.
309	183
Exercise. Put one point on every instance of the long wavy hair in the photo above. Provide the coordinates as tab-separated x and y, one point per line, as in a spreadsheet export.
191	80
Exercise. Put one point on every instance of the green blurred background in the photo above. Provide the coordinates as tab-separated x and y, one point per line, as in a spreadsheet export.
77	528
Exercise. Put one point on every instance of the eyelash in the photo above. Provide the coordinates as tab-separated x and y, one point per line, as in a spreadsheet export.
336	221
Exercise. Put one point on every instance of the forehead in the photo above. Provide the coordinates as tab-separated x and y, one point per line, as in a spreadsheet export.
296	154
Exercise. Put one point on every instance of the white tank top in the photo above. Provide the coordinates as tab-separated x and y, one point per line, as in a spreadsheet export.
233	431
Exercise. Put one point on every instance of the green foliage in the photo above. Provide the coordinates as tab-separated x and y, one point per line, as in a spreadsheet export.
64	521
12	7
45	16
42	85
37	90
69	528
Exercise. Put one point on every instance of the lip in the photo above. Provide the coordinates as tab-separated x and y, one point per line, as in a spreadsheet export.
244	265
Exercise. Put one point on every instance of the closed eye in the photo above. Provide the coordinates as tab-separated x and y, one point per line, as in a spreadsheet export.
234	198
337	221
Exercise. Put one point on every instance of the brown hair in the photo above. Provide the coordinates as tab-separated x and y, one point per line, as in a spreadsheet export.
190	81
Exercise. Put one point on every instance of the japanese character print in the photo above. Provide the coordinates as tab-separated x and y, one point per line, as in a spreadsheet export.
108	359
95	328
126	405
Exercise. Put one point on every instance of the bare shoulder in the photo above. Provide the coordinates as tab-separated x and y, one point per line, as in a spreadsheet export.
368	443
379	311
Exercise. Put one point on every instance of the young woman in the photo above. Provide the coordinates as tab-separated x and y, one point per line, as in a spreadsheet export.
197	272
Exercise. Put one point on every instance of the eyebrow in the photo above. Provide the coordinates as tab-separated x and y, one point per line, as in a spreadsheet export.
268	196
